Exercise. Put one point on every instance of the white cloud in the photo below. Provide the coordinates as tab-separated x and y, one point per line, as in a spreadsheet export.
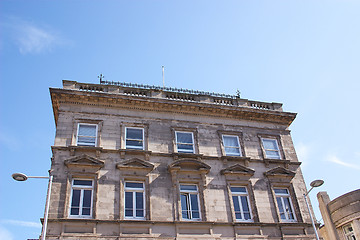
334	159
5	234
21	223
32	39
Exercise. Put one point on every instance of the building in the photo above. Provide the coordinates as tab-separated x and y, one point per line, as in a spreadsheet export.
143	162
341	216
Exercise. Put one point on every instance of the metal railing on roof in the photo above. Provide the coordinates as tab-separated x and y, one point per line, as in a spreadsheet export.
169	89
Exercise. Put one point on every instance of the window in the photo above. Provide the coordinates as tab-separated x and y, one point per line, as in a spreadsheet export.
134	138
271	148
231	145
349	232
283	200
241	203
134	200
86	135
81	198
189	202
184	142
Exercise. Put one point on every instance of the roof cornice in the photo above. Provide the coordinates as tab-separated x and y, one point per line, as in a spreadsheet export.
145	103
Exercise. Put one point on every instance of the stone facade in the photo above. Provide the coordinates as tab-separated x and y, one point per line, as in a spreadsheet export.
341	216
144	162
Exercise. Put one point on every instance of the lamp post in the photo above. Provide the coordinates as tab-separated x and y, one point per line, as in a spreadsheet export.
23	177
313	184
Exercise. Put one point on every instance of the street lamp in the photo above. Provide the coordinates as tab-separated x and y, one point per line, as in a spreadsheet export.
313	184
23	177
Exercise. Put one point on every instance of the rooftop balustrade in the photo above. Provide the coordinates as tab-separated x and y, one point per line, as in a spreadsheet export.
177	94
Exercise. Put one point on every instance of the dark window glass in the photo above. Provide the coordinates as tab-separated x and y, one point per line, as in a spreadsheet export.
133	185
83	182
75	198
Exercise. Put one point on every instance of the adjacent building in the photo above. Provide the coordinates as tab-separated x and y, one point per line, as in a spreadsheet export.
143	162
341	216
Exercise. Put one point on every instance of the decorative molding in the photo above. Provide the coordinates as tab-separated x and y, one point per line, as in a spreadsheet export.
84	161
238	169
280	174
135	163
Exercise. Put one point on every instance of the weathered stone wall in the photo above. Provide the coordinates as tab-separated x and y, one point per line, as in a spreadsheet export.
162	219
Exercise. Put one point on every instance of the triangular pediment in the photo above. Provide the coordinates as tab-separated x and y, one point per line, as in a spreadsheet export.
189	165
136	164
84	161
279	172
238	169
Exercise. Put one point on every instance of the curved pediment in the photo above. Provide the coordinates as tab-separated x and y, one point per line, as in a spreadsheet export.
280	173
239	170
84	161
189	165
135	163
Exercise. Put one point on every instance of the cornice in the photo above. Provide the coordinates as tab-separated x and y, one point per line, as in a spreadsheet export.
144	103
174	155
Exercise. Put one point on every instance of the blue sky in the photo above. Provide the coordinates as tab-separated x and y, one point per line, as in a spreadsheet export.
305	54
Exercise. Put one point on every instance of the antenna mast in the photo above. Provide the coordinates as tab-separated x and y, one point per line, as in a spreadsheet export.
163	68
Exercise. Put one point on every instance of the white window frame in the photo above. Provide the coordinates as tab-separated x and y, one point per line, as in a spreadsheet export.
283	196
82	188
238	147
134	191
350	235
189	206
272	150
238	195
77	135
185	150
142	140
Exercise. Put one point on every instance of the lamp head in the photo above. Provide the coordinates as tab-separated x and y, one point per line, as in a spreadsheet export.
19	177
317	183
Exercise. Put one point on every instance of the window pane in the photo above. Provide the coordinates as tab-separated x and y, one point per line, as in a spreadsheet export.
231	141
281	208
140	213
133	185
128	204
232	151
87	130
270	144
185	147
244	204
288	208
184	206
195	214
281	191
75	202
83	182
139	201
238	215
247	216
188	187
272	154
86	211
86	140
74	211
238	189
133	133
184	137
135	143
128	212
87	199
236	203
194	202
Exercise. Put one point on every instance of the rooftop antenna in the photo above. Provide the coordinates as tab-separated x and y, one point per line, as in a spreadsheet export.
101	77
163	69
